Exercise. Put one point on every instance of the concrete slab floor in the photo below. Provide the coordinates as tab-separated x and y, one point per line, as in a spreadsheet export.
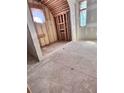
50	48
71	69
31	60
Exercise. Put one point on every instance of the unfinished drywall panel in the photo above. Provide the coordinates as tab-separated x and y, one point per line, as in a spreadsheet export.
53	27
44	30
49	27
51	31
91	33
88	33
42	33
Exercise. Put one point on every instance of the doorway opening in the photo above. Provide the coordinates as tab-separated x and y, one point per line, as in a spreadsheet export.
53	29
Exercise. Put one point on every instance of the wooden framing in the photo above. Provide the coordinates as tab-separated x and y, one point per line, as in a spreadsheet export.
56	6
62	22
35	5
60	10
47	31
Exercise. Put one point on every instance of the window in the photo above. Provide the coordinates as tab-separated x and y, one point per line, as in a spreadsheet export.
38	15
83	13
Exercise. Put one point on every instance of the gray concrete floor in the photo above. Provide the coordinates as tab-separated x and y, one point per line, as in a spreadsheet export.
50	48
71	69
47	50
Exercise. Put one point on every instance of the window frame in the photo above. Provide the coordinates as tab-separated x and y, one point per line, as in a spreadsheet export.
41	10
80	10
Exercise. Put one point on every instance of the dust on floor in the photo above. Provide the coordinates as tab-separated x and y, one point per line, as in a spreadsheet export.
50	48
71	69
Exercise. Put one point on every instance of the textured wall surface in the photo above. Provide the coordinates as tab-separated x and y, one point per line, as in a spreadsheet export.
48	28
72	18
89	32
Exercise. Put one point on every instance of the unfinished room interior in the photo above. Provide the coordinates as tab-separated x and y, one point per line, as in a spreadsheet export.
61	46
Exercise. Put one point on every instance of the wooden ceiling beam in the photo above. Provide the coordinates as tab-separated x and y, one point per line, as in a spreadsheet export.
55	15
59	9
55	6
49	1
32	5
57	12
57	2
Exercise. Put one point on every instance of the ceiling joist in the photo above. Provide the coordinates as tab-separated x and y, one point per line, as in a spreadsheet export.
55	6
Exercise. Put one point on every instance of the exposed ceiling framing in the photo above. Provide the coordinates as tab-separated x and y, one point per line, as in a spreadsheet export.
55	6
